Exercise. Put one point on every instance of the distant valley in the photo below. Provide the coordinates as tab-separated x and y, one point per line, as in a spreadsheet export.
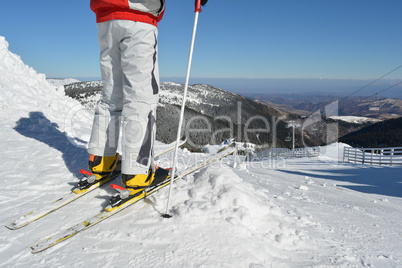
351	106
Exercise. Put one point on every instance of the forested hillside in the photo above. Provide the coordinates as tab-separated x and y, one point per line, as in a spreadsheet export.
211	115
383	134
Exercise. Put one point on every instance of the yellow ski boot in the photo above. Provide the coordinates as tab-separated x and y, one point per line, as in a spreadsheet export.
135	186
101	169
138	183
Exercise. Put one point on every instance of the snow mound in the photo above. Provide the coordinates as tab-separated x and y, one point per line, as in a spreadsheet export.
12	67
220	194
228	210
24	93
333	151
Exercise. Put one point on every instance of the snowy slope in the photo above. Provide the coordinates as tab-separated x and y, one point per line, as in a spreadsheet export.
276	213
356	119
61	82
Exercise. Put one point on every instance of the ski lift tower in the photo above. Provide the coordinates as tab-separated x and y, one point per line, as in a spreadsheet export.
293	125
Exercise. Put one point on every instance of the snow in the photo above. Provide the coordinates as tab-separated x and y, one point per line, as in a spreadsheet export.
356	119
304	212
62	81
172	93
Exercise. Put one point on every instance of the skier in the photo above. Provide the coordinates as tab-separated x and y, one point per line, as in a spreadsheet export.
127	35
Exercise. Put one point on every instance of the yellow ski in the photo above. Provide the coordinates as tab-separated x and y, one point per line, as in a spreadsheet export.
77	228
73	195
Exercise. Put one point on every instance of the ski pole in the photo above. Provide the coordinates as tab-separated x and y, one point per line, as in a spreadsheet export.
190	57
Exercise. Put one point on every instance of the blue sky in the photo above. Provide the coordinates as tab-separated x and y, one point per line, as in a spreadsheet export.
251	42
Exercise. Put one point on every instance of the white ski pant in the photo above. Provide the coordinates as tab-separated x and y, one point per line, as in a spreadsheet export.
130	75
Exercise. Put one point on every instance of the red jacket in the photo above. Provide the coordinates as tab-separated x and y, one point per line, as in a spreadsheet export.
147	11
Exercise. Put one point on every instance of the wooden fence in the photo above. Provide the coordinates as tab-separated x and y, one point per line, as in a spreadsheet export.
373	156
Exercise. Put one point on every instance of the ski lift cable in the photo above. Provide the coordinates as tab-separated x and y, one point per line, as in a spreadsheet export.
377	106
378	93
338	100
373	83
400	66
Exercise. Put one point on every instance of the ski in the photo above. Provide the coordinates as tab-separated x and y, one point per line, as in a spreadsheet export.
89	222
75	194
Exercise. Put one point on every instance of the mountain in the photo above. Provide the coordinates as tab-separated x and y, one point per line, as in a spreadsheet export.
351	106
87	93
349	115
322	130
211	115
382	134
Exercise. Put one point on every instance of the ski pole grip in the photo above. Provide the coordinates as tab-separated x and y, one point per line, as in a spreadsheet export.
197	6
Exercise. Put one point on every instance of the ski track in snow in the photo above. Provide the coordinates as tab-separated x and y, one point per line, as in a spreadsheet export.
303	212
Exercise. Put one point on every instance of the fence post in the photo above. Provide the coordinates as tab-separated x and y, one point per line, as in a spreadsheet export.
392	155
344	153
372	153
381	152
355	155
364	155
